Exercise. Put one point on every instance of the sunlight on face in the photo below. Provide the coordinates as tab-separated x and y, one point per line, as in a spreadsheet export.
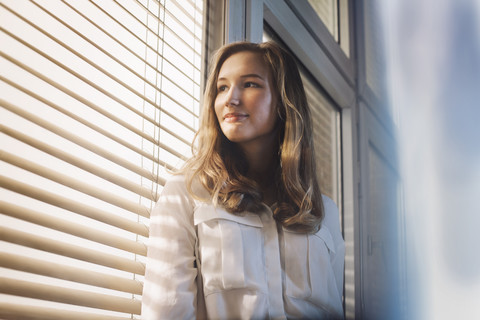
245	103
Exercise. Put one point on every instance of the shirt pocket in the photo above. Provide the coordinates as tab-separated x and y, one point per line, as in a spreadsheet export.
230	250
308	267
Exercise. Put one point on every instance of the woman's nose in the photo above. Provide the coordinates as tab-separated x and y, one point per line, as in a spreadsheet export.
233	97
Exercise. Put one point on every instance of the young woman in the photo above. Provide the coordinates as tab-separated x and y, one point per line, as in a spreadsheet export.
243	231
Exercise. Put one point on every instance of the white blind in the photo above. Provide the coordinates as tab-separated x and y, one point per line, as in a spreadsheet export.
326	138
99	99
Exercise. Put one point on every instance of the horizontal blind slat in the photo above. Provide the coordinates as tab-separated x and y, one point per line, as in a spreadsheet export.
94	106
73	206
134	35
91	125
78	140
143	61
72	228
71	296
166	27
93	85
69	250
64	272
96	66
171	15
73	183
111	56
13	311
192	18
69	68
179	6
80	163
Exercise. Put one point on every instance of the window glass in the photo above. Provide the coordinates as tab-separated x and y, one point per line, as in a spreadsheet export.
333	14
327	10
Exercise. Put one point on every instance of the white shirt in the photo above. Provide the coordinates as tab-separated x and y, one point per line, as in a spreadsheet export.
204	262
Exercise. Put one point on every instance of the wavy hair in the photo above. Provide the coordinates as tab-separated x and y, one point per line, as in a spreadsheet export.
220	165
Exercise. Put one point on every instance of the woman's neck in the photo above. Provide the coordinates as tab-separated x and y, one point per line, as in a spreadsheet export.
262	164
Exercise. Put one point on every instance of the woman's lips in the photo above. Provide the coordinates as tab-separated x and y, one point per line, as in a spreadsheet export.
234	117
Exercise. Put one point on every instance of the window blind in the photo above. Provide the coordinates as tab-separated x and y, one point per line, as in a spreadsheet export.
326	138
99	100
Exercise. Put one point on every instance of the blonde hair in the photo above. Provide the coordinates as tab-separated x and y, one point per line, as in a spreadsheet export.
221	167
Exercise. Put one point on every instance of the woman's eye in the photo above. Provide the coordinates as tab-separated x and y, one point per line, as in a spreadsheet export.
251	85
222	88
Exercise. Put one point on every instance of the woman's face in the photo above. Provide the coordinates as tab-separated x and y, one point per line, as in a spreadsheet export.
245	104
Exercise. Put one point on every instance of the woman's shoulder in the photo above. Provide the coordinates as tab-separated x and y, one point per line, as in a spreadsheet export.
180	184
331	219
330	207
175	183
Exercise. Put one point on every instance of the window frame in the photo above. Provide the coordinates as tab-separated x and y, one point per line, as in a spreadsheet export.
305	12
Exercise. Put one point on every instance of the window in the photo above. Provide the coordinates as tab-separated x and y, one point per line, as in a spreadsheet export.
331	15
99	100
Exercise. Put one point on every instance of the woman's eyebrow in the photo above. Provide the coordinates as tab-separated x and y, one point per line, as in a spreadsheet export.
249	75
